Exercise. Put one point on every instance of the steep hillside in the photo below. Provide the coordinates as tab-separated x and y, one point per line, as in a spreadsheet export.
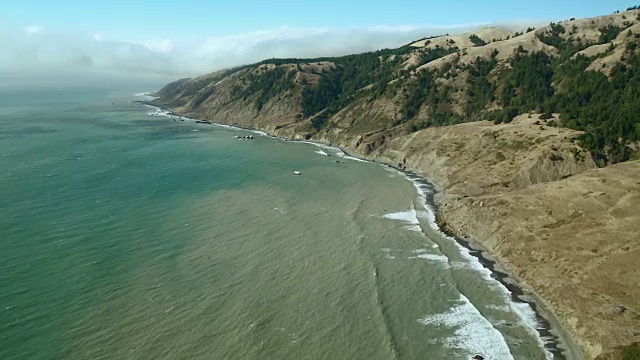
519	129
565	228
575	68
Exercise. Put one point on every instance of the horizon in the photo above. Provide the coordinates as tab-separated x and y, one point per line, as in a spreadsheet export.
169	40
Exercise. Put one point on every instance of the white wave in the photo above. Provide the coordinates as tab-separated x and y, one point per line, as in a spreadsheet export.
462	265
321	152
505	308
259	132
335	150
332	148
425	254
144	96
409	217
416	228
156	111
166	113
159	112
473	333
524	311
349	157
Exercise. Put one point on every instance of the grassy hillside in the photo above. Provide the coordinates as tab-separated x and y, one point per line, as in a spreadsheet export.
588	71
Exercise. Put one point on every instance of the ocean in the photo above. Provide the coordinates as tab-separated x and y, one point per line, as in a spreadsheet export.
128	233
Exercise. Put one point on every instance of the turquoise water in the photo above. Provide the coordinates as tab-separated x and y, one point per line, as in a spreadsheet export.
125	235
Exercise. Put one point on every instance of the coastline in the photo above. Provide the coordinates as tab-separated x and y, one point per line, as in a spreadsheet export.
557	340
554	336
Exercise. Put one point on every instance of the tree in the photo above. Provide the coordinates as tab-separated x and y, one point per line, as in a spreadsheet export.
476	40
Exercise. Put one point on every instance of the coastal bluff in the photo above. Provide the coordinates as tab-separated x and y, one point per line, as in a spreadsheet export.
552	194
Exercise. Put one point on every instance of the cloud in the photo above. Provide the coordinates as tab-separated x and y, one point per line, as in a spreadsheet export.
34	30
34	49
163	46
285	42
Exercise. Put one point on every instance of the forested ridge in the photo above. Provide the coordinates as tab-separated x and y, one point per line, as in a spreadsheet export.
497	86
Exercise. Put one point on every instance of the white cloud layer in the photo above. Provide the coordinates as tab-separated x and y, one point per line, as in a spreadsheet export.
35	49
34	29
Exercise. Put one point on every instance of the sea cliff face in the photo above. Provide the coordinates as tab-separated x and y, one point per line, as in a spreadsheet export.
525	189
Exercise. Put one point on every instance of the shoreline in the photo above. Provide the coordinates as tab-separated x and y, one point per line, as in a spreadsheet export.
553	335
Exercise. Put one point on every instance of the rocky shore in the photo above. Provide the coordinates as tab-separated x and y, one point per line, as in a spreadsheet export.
564	228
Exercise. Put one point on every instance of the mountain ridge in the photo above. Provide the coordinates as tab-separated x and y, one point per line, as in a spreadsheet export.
444	66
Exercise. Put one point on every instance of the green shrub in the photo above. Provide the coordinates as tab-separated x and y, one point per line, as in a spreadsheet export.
476	40
631	352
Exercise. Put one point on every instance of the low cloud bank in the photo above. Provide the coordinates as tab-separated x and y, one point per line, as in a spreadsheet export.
34	49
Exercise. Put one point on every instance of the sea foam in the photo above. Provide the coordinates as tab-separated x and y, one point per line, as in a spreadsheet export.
145	96
426	254
409	217
523	309
473	333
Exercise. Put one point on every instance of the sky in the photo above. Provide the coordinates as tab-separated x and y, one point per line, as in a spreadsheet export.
189	37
